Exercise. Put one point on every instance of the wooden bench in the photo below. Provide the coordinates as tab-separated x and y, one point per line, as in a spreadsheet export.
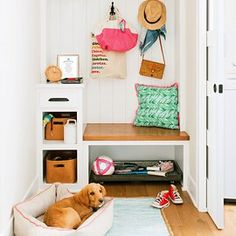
104	134
129	132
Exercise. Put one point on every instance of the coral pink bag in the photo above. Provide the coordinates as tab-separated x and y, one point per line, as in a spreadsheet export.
116	35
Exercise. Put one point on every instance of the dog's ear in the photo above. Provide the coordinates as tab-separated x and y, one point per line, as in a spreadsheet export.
82	196
104	192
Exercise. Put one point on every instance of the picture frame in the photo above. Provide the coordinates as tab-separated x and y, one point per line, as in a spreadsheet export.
69	65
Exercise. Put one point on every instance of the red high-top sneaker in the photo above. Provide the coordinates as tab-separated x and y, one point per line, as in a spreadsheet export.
174	195
161	200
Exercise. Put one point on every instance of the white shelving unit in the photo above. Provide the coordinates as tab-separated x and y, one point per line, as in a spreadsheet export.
70	100
66	27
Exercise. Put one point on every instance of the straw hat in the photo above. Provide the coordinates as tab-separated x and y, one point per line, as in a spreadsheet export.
152	14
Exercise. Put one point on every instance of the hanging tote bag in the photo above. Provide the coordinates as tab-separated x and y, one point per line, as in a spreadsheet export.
116	35
152	68
107	64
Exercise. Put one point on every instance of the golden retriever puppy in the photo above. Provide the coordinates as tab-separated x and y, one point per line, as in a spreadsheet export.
73	211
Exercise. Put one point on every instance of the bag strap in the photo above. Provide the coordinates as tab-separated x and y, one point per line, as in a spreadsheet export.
162	51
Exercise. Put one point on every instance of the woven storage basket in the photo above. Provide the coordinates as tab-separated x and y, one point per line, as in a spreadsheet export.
55	129
61	167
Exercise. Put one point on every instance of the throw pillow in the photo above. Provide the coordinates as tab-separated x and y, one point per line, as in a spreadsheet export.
158	106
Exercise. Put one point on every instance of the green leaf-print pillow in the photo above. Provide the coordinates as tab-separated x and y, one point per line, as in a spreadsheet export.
158	106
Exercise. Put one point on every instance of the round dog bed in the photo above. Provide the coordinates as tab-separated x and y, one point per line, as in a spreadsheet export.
28	216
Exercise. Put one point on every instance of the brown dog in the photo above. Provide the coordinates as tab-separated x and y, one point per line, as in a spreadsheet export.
73	211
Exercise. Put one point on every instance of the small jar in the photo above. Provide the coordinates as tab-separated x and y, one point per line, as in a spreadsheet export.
70	129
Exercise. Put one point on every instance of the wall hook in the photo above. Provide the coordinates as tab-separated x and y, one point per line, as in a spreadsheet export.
112	12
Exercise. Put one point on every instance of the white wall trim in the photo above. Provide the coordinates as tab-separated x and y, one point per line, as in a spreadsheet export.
191	190
31	190
201	104
182	46
9	229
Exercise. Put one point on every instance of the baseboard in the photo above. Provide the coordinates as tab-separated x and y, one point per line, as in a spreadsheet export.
8	231
32	189
191	189
84	126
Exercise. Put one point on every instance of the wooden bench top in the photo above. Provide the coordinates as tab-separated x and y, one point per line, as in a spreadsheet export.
129	132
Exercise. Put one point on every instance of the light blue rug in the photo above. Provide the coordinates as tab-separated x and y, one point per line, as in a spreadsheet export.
136	217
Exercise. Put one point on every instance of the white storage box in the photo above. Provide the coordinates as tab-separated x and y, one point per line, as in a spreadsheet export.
28	216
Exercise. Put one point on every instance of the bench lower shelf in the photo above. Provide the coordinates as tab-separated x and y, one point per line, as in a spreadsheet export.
176	175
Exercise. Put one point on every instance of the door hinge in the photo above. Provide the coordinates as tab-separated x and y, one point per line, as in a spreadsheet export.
210	39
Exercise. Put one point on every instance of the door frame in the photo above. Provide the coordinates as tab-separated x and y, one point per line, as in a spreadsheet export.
201	155
201	104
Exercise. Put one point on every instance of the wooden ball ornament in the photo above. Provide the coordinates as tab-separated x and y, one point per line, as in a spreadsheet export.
53	73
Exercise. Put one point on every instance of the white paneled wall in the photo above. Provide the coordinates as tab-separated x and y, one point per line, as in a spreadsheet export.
69	25
230	37
137	152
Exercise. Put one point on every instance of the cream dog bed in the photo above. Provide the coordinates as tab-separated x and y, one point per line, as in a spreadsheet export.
28	216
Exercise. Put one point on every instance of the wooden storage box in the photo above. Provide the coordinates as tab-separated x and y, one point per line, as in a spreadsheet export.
55	129
61	167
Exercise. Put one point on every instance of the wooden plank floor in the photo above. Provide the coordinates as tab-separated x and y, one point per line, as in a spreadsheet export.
184	220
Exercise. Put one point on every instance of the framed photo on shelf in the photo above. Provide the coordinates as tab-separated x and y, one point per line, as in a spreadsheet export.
69	65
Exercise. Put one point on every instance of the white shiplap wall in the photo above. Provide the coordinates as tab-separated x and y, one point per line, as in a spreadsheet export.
69	24
230	37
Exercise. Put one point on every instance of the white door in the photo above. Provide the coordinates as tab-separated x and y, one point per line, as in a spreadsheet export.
215	107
